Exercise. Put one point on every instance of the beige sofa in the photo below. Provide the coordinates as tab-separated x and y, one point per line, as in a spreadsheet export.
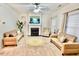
11	38
68	47
9	41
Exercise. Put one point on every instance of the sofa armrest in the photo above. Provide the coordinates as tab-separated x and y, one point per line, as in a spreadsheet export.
19	36
53	35
70	48
70	37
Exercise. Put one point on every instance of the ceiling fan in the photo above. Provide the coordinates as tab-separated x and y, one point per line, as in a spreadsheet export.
39	8
35	7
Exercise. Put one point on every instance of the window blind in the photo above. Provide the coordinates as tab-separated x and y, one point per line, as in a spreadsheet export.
72	26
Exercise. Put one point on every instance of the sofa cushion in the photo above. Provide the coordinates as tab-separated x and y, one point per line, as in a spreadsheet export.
10	35
57	42
71	38
13	32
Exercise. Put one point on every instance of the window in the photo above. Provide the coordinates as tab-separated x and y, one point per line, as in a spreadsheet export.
55	24
72	26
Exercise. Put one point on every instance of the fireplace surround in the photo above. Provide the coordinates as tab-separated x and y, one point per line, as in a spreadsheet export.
34	31
35	27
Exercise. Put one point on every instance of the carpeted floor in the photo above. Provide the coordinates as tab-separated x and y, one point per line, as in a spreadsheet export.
22	49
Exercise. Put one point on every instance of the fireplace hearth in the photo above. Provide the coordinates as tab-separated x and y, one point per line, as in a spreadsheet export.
34	31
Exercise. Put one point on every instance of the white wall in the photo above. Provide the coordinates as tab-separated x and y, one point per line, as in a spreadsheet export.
8	16
45	19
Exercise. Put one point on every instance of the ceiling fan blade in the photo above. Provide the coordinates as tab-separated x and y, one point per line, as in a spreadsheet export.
22	3
44	8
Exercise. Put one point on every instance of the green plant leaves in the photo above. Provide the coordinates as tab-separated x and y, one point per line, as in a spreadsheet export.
19	25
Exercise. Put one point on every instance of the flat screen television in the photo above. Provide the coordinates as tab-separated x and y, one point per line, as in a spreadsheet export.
34	20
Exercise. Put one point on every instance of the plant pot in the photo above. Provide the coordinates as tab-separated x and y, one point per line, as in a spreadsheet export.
18	32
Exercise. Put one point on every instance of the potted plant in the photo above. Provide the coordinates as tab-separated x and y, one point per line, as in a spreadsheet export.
19	25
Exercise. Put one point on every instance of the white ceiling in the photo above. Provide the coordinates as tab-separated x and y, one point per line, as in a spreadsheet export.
26	7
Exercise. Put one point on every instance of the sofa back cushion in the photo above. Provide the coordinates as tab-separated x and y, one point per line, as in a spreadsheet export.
5	35
68	37
10	33
71	38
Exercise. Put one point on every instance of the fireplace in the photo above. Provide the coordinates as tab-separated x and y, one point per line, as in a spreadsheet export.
34	31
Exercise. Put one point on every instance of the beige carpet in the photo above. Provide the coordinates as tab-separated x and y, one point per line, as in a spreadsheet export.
22	49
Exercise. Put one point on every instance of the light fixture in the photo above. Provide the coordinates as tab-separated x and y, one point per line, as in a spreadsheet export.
36	10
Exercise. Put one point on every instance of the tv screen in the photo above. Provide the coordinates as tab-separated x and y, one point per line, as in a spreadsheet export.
34	20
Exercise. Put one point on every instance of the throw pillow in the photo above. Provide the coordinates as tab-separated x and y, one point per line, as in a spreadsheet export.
62	39
6	35
10	35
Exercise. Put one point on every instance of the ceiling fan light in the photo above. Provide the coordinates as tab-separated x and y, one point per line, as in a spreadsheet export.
36	10
35	6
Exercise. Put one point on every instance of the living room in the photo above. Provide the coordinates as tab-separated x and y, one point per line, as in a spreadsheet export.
35	29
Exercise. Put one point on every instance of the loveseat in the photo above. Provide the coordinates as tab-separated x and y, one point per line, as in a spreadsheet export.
68	47
11	38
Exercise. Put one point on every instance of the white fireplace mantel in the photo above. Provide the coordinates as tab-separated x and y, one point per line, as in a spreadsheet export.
35	26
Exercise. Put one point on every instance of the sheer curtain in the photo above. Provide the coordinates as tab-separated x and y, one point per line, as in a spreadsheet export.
72	26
